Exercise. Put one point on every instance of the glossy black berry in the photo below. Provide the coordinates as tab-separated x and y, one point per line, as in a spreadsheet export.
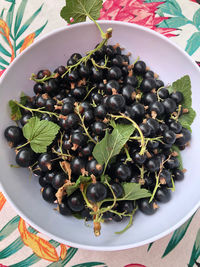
112	85
49	176
117	189
97	98
114	73
131	80
84	70
115	103
157	107
87	149
169	137
169	105
153	164
98	128
58	180
122	172
100	112
67	108
186	137
78	139
139	159
76	202
126	206
72	120
154	125
97	74
163	194
43	181
64	208
177	97
159	84
77	165
50	86
172	163
93	167
48	193
40	101
25	157
163	93
147	85
79	93
13	135
149	98
50	103
140	67
38	88
96	192
178	175
149	74
42	73
88	116
128	93
146	207
145	128
175	126
165	178
44	162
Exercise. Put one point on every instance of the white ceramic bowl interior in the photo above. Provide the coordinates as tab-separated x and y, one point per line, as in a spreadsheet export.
163	57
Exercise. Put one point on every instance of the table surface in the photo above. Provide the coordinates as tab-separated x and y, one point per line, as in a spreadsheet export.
177	19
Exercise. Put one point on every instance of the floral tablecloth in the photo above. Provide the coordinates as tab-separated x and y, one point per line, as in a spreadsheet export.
23	21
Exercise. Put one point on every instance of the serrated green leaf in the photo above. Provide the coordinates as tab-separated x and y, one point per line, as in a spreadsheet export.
77	216
196	18
177	237
112	144
81	180
175	148
183	85
79	10
19	15
15	111
23	98
40	133
133	191
28	22
195	251
187	119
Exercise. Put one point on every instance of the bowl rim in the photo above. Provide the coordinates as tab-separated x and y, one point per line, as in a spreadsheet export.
40	229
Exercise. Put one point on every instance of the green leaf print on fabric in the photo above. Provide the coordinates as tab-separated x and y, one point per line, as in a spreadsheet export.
90	264
193	43
177	237
9	227
195	251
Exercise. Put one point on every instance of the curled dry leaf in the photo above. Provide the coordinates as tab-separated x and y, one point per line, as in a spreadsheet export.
41	247
66	166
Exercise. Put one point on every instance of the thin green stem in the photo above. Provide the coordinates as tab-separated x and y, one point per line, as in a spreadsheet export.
45	78
129	224
83	125
128	157
155	188
103	34
23	145
88	93
36	110
143	145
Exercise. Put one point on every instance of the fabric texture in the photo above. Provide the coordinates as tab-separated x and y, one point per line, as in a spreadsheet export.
21	23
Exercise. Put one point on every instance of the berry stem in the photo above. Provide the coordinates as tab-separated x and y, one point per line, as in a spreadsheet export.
83	125
143	144
36	109
128	157
129	224
23	145
45	78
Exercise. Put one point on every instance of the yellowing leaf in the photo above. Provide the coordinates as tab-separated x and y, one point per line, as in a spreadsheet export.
41	247
5	31
27	41
2	201
63	251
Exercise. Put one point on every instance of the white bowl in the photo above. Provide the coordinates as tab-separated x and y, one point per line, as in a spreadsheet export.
162	56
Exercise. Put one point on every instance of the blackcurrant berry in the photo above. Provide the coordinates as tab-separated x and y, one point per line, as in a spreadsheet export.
99	128
48	193
58	180
163	194
76	202
114	73
110	85
153	164
169	137
169	105
177	97
44	162
96	192
93	167
77	165
13	135
25	157
163	93
178	175
115	103
139	67
147	85
146	207
122	172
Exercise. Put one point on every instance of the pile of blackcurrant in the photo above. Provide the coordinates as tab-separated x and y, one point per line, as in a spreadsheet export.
84	98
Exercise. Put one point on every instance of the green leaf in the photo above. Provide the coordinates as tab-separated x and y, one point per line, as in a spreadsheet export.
89	264
19	15
28	22
112	144
193	43
4	51
40	133
23	98
196	18
195	251
81	180
177	237
174	22
15	111
183	85
79	10
77	216
9	227
9	17
175	148
3	61
133	191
